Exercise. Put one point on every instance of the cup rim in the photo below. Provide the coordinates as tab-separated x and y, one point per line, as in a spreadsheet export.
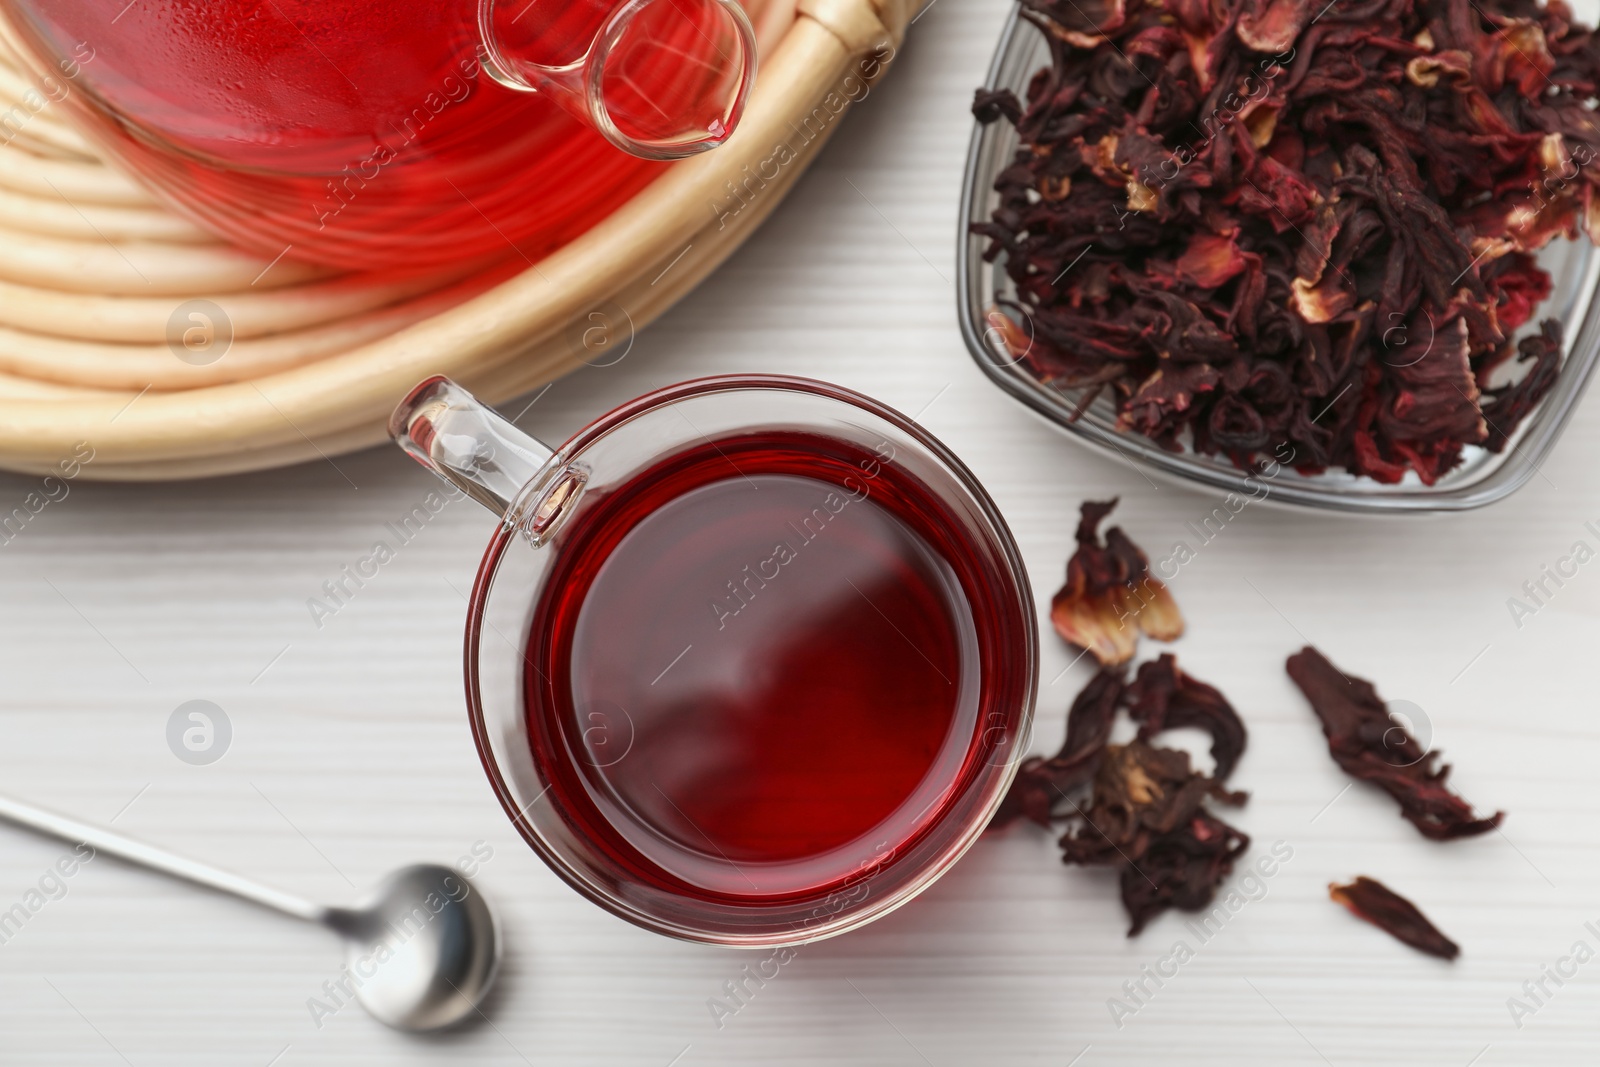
948	852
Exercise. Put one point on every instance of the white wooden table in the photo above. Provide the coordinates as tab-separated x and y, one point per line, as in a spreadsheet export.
350	753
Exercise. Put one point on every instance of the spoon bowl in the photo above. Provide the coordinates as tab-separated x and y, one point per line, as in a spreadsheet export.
423	950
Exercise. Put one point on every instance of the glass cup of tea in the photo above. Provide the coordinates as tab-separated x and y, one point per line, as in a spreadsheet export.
749	661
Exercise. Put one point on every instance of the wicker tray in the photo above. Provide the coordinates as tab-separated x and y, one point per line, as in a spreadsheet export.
95	276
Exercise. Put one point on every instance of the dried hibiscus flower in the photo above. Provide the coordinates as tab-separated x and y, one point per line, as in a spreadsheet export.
1372	745
1145	812
1162	697
1392	913
1109	597
1275	228
1146	817
1041	783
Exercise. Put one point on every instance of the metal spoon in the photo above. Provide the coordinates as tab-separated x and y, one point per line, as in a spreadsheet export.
422	951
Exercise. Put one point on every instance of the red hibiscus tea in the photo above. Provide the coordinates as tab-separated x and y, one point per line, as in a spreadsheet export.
777	650
767	669
367	134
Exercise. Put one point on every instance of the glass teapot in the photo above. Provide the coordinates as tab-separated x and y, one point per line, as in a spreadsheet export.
405	133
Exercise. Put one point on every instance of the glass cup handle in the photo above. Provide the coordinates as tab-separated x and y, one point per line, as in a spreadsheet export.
445	428
697	111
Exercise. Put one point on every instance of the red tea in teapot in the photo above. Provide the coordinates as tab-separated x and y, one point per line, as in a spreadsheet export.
756	672
370	135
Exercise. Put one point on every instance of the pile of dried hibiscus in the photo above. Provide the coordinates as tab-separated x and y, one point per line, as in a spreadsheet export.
1146	813
1270	222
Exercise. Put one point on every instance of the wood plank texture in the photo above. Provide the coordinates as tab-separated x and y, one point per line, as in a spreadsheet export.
351	754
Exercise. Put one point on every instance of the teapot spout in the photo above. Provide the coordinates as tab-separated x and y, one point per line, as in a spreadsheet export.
445	428
660	79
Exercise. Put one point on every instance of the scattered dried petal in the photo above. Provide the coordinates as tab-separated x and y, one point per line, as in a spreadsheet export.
1109	597
1042	783
1095	623
1145	817
1162	697
1369	899
1372	745
1182	869
1145	814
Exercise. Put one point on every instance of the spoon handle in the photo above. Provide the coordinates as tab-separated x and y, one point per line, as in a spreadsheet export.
109	841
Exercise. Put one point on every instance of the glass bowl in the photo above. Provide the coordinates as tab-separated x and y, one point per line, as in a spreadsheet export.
1482	477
